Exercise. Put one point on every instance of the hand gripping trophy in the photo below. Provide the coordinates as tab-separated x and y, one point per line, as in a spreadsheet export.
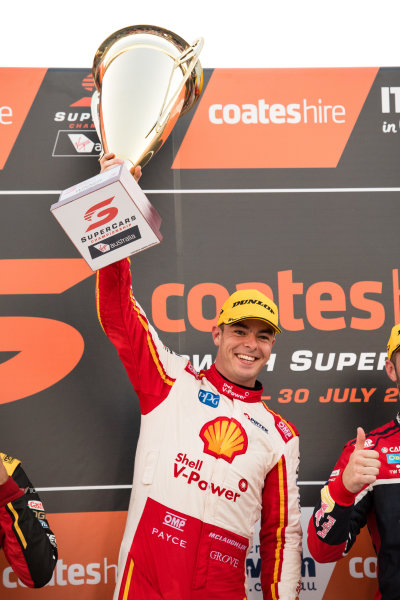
146	77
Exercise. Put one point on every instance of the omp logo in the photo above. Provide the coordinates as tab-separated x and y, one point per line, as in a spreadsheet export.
106	215
81	143
19	88
46	350
285	430
270	114
174	521
224	438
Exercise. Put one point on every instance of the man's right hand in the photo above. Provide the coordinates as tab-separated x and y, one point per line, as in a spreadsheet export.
109	160
363	466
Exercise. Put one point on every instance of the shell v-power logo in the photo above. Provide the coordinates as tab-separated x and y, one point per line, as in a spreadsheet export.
274	118
224	438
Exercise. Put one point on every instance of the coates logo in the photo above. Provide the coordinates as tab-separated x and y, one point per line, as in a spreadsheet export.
19	88
224	438
271	113
174	521
106	215
80	116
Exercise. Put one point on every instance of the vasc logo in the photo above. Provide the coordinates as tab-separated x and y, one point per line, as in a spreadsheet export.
46	350
108	214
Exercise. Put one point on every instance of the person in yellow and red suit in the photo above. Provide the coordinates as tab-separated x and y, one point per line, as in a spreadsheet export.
211	456
25	536
364	489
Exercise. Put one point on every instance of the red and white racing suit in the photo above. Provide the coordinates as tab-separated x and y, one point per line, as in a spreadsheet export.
25	536
210	459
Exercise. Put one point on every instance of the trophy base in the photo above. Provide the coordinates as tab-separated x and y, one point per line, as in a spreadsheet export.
108	217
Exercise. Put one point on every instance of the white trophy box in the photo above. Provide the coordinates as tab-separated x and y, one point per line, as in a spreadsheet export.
108	217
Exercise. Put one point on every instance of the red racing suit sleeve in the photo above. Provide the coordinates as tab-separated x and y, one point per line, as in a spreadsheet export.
280	531
27	540
339	515
151	367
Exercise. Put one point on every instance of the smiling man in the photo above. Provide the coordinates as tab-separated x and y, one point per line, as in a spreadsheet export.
211	457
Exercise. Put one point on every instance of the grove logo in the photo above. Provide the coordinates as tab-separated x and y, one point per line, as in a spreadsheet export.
101	211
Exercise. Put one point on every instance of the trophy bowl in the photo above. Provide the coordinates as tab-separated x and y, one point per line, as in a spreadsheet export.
146	77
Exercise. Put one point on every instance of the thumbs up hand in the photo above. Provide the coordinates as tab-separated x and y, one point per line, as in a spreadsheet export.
363	466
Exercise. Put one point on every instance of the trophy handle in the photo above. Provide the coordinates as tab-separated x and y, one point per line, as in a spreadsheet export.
95	110
191	53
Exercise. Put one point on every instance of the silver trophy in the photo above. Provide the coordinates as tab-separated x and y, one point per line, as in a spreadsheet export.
146	77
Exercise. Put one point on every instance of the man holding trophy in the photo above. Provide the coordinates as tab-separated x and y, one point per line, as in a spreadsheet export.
211	457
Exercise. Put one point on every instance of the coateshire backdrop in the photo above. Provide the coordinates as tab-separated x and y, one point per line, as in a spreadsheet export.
284	179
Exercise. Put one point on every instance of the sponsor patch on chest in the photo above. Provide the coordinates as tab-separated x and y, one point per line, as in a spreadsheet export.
208	398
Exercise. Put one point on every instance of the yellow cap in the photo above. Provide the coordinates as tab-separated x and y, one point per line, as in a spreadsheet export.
394	341
249	304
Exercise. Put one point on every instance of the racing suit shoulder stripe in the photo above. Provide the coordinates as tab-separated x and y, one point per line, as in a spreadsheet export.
273	525
98	300
14	516
280	534
152	348
152	368
280	531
